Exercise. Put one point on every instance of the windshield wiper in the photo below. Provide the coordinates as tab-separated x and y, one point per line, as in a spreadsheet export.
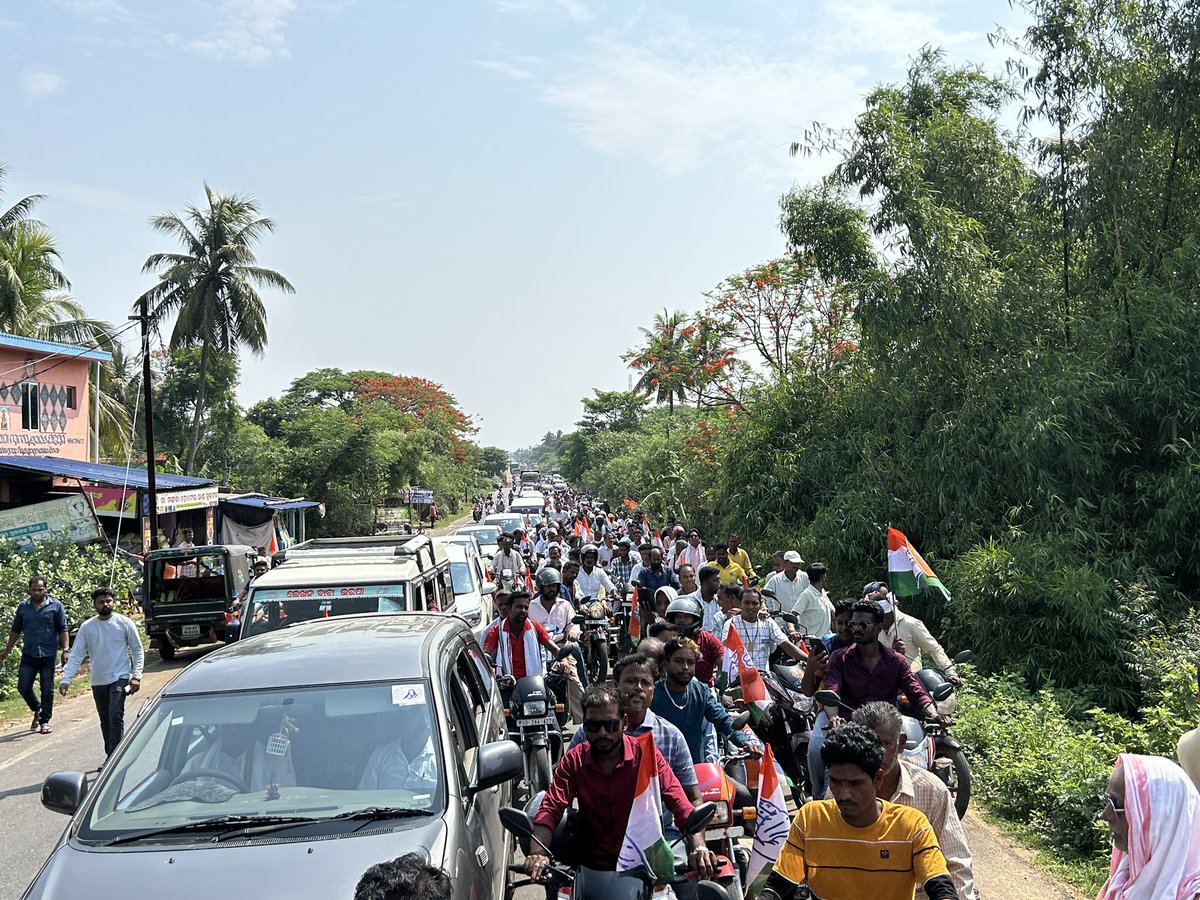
370	814
219	823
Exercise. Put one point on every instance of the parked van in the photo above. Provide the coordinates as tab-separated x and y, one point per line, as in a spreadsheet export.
341	576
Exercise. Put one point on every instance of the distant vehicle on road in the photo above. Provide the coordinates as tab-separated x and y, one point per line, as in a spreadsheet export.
488	537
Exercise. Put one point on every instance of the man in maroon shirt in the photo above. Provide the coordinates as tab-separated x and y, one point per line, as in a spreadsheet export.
602	774
865	671
510	661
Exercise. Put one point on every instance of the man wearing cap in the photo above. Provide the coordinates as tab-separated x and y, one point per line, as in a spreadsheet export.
787	586
110	640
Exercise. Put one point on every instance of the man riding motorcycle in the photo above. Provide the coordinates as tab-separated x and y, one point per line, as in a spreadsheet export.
591	578
554	613
685	616
507	559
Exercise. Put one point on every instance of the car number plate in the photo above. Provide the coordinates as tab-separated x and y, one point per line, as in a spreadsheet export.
546	720
190	631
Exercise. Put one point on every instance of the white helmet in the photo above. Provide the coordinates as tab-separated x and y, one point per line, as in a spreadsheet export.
689	605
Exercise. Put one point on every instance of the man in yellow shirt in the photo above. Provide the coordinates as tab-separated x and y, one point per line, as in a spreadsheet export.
857	845
739	555
731	572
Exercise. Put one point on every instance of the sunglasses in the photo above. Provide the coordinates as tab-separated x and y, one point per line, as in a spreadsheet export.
860	626
1109	802
595	726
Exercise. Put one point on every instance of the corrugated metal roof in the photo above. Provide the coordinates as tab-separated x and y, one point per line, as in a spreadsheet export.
97	473
50	348
259	501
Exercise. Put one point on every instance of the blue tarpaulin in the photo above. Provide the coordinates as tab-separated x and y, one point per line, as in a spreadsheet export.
97	473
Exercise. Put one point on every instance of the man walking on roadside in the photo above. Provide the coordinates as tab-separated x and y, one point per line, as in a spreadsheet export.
41	621
111	641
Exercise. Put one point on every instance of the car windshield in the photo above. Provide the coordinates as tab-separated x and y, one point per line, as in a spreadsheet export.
485	534
270	609
312	752
188	579
460	572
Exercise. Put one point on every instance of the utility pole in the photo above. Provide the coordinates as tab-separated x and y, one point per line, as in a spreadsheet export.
148	401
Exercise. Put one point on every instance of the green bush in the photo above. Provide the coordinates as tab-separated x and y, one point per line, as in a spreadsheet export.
71	574
1041	759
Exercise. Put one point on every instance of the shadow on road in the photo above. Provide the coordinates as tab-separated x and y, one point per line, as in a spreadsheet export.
18	791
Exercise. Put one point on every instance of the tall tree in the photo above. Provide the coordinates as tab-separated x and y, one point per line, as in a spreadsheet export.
663	361
212	285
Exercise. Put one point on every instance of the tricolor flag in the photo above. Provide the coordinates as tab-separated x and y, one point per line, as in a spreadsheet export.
644	845
634	628
771	824
583	530
754	692
908	572
731	662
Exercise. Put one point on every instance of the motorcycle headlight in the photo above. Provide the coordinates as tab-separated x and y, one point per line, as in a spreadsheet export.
534	708
596	610
722	815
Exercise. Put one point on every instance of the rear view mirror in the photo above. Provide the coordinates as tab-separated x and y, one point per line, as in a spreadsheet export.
499	762
963	657
701	815
64	792
828	698
488	588
516	822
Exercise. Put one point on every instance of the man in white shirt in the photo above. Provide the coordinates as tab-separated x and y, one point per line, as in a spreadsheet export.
606	550
507	558
786	587
910	636
692	554
110	640
710	585
812	607
760	636
591	578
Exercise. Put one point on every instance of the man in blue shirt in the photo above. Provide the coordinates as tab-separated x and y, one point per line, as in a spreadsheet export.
42	622
686	703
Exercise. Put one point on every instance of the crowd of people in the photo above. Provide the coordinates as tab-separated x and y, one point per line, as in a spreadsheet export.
881	825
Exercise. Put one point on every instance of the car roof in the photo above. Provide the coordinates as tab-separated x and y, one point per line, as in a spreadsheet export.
331	570
467	529
337	650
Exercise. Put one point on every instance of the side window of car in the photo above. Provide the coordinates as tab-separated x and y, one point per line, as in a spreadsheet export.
468	676
462	730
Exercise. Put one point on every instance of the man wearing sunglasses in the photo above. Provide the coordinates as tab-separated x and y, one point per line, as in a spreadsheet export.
602	773
868	670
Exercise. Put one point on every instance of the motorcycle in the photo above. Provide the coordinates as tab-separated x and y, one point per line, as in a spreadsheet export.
593	640
509	579
930	745
622	613
733	819
535	726
788	726
582	883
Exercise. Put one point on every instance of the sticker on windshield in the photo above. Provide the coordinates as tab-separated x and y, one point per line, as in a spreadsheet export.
408	694
330	593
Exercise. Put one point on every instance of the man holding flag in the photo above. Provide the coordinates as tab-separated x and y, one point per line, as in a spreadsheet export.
622	784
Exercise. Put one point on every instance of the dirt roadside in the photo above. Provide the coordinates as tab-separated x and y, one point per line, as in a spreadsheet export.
1003	870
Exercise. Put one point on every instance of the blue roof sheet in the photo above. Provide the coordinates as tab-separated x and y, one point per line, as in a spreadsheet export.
258	501
50	348
97	473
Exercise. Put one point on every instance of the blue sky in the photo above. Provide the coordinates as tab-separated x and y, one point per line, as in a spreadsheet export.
473	192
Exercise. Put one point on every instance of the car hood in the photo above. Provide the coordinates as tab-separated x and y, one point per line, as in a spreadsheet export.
318	867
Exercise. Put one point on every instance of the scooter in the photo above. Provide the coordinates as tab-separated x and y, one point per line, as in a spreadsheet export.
582	883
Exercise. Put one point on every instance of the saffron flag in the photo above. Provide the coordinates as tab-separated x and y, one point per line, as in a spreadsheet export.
634	627
632	504
644	844
908	572
771	824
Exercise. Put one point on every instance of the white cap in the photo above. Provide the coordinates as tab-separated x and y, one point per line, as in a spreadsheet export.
793	557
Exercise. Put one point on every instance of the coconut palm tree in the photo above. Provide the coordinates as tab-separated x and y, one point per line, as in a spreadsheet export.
211	286
663	361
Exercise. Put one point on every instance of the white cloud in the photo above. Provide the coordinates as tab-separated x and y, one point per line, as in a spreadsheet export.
573	9
39	83
248	31
508	70
892	29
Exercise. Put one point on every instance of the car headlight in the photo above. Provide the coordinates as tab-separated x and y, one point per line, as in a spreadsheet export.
534	708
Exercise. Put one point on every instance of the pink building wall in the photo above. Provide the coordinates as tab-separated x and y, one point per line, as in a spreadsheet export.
63	421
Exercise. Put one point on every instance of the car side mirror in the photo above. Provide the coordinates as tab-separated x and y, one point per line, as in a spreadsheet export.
701	815
64	792
489	588
499	762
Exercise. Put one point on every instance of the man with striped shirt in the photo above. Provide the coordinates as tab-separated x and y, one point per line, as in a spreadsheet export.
857	845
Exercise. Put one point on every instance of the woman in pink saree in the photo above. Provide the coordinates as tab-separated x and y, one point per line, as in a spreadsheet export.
1153	811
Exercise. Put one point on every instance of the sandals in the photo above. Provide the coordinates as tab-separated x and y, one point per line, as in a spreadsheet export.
46	729
33	726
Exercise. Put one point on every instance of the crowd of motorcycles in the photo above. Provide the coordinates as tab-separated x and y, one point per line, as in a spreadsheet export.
728	786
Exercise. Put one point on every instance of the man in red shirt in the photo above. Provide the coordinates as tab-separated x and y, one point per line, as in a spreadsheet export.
602	773
521	639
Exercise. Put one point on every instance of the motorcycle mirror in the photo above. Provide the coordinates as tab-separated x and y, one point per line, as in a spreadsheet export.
516	821
701	815
963	657
828	698
740	720
577	620
790	618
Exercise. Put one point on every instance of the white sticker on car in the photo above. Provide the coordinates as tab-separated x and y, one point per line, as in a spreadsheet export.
408	694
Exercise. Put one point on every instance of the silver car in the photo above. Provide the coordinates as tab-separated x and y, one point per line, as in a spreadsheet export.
287	764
